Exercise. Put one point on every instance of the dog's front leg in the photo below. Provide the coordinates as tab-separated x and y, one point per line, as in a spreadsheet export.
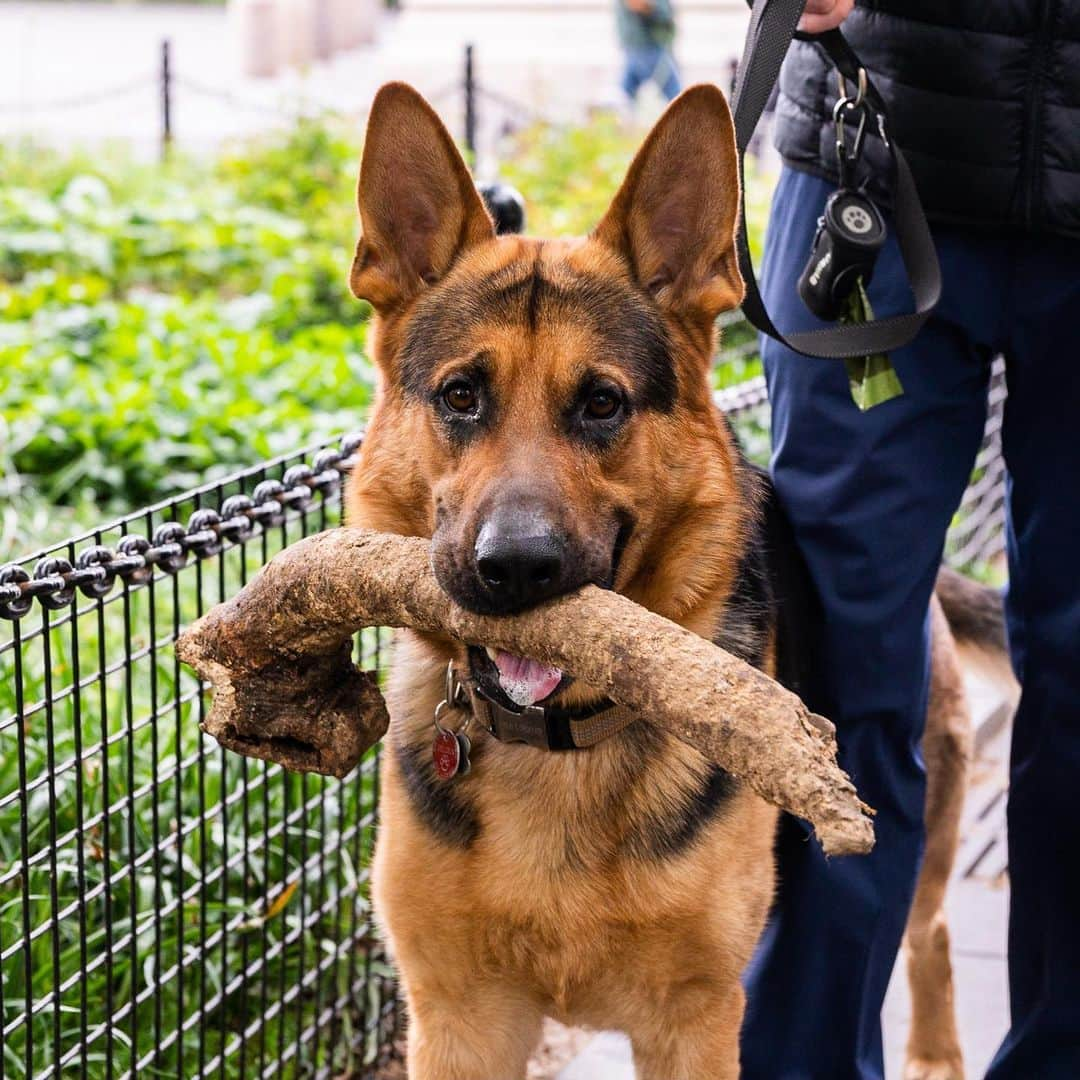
695	1037
470	1030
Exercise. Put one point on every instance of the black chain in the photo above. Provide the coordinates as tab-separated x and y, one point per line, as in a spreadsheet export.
55	582
742	397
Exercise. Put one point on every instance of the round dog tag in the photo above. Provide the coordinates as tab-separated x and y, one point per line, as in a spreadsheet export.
446	754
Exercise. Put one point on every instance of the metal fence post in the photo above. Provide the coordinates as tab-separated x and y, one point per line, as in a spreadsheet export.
166	99
470	102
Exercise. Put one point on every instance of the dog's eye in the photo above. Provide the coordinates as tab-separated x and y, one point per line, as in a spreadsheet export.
460	397
602	404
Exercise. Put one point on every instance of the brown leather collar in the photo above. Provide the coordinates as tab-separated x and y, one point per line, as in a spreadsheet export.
545	727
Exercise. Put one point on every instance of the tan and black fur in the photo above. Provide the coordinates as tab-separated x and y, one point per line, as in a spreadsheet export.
624	886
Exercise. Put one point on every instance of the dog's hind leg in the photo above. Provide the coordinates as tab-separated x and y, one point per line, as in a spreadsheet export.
933	1051
483	1031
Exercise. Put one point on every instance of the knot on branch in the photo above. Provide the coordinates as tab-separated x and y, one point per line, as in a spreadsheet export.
310	714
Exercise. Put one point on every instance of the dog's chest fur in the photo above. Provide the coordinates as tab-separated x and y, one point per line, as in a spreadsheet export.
557	863
557	867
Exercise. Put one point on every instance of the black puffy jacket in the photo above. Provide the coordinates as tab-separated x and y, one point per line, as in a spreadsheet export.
984	98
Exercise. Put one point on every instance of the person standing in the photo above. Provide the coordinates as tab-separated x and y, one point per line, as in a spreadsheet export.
984	98
646	31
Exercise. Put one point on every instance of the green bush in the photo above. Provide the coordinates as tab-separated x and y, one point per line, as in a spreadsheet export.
163	324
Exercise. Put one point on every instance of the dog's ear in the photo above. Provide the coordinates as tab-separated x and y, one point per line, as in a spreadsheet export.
675	215
418	206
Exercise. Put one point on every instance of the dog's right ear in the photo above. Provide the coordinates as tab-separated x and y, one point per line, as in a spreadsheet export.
418	206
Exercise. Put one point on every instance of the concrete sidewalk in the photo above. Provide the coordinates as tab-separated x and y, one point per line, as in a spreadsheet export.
86	72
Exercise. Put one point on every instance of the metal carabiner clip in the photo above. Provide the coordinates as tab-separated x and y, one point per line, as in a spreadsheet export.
862	81
845	105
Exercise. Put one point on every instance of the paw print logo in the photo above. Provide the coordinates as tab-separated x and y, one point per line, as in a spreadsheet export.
856	220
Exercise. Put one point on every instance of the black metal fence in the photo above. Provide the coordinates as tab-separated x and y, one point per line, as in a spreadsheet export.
167	908
169	83
469	106
976	542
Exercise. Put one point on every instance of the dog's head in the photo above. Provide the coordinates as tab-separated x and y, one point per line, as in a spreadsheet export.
544	411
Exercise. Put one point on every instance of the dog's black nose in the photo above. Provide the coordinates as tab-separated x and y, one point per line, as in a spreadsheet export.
520	561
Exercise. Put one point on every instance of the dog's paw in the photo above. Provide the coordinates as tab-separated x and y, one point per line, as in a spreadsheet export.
923	1068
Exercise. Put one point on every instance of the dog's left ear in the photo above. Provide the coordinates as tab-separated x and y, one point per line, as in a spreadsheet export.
419	208
675	215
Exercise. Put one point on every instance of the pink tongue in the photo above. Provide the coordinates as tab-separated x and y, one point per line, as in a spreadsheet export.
524	681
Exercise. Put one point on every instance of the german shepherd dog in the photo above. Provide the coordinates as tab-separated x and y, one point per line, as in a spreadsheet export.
544	415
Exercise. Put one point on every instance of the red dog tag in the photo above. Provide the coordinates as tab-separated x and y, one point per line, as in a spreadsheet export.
446	753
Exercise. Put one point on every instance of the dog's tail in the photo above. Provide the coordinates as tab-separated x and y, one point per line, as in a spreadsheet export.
976	616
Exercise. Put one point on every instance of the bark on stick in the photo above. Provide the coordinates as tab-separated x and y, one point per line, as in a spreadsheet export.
278	657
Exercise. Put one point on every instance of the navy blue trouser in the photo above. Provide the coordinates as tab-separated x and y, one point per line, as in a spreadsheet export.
870	496
656	62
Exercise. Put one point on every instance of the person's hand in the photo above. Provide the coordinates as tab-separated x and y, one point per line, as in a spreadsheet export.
822	15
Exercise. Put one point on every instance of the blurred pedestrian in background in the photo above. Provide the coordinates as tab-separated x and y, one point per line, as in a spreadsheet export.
646	33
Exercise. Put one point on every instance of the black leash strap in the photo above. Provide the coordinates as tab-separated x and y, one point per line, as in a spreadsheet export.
772	26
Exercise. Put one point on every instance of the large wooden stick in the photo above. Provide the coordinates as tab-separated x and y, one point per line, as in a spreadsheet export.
278	657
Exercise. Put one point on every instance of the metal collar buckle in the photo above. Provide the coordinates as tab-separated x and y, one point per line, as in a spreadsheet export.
530	725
